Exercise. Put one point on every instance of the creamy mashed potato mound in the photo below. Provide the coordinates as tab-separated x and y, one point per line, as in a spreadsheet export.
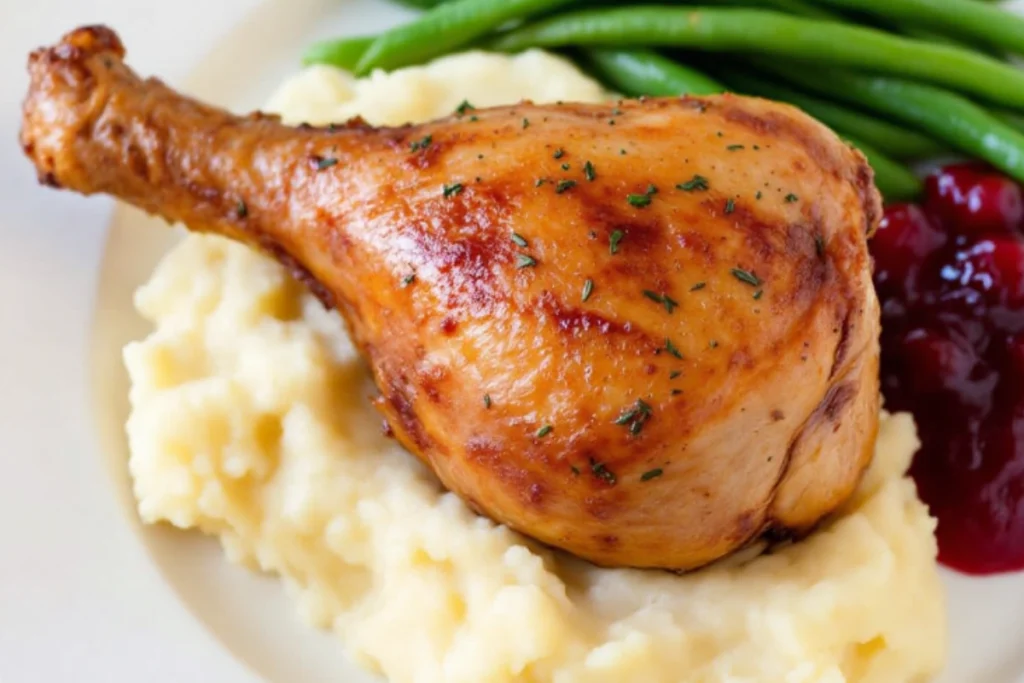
250	421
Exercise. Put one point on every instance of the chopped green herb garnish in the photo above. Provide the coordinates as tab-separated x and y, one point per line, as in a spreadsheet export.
734	148
421	144
664	299
564	185
474	118
540	181
588	289
635	417
241	209
519	240
525	261
325	163
671	348
566	167
614	239
676	392
757	195
698	286
713	344
747	277
758	294
559	153
408	279
588	171
819	245
602	472
575	470
674	374
790	198
638	200
697	182
452	190
487	400
526	123
730	205
464	107
544	431
622	152
642	200
651	474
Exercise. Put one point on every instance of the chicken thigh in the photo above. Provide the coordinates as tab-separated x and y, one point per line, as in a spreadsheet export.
641	332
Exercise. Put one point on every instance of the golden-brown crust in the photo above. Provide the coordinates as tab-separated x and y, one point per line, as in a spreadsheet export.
753	385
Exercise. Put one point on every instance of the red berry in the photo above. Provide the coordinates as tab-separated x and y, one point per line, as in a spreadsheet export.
933	362
996	267
904	240
975	201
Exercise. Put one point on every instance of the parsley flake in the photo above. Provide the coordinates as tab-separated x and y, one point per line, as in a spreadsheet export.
790	198
588	289
241	209
651	474
408	280
747	277
421	144
525	261
730	205
452	190
613	241
664	299
564	185
602	472
671	348
698	286
464	107
519	240
559	153
323	163
734	148
544	431
588	172
487	400
697	182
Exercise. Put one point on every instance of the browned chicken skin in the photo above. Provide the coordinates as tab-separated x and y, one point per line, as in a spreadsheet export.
716	382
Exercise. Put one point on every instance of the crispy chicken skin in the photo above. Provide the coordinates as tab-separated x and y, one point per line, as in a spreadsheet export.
718	384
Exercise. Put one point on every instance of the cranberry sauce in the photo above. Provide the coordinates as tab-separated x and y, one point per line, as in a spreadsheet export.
950	276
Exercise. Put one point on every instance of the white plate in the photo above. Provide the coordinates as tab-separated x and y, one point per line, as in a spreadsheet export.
87	593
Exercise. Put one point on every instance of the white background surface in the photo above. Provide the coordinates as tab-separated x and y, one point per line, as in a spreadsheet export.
80	597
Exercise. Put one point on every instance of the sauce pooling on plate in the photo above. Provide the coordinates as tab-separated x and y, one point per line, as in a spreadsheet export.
950	276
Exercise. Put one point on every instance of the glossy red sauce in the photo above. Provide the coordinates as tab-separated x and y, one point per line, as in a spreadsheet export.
950	276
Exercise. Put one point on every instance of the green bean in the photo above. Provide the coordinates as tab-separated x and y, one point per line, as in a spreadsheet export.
897	142
966	18
643	72
945	115
445	28
743	30
1010	118
343	53
894	180
800	8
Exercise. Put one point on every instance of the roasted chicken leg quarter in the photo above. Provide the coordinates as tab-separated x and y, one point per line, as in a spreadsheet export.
641	332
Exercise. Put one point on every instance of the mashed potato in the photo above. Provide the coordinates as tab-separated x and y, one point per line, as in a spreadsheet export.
250	421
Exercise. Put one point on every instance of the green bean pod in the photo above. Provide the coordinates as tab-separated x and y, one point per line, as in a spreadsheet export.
947	116
896	141
894	180
966	18
759	31
444	28
343	53
644	72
